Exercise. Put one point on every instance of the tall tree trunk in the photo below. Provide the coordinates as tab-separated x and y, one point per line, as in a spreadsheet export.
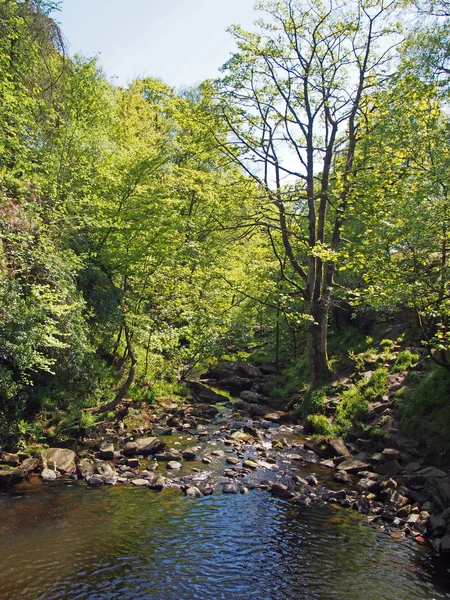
122	392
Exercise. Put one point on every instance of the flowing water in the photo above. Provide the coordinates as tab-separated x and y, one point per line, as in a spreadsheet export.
60	541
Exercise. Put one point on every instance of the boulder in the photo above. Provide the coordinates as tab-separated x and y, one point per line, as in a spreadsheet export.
230	488
62	459
49	474
86	468
193	492
145	446
106	451
29	465
174	465
205	394
281	491
352	465
9	477
139	482
390	467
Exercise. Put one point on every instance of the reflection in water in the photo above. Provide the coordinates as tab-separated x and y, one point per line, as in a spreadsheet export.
72	543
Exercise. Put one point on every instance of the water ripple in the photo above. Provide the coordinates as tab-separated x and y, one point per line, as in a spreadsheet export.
111	543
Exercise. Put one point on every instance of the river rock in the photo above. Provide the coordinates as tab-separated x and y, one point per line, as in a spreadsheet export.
49	474
63	459
445	544
157	483
236	383
139	482
174	465
29	465
106	451
281	491
193	492
391	468
352	465
10	459
170	454
144	446
250	464
436	526
189	455
230	488
86	468
232	460
240	436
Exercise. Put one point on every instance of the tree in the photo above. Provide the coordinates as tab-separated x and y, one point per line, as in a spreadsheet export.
293	98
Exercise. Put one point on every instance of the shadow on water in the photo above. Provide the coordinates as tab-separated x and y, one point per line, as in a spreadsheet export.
61	542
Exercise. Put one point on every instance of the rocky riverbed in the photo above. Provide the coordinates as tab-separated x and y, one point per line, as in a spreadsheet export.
214	443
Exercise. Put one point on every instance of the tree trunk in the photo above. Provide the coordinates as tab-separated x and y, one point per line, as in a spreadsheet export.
129	380
317	338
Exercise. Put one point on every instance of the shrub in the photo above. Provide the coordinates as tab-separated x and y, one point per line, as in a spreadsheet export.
319	424
405	360
314	401
354	404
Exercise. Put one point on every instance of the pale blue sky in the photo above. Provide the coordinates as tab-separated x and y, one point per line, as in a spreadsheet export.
180	41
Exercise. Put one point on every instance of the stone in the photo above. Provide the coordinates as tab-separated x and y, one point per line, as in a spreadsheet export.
250	396
206	460
396	501
193	492
188	455
174	465
391	453
106	451
431	472
250	464
62	459
443	487
86	468
436	526
230	488
144	446
338	446
445	544
29	465
95	480
404	511
157	483
390	468
10	459
232	460
170	454
139	482
104	468
240	436
352	465
281	491
302	500
342	477
49	474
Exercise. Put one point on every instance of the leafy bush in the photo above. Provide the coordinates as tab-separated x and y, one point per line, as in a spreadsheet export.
405	360
354	404
314	401
319	424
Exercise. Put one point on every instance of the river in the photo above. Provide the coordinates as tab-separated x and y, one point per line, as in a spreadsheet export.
64	541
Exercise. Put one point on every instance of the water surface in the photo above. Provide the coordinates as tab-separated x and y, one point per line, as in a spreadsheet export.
68	542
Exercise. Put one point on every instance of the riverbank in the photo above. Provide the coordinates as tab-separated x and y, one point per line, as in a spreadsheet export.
228	437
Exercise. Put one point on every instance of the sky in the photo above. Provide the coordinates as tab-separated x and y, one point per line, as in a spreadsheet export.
181	42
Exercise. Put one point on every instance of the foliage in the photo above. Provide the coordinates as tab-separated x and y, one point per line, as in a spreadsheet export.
320	425
352	409
405	360
424	413
312	402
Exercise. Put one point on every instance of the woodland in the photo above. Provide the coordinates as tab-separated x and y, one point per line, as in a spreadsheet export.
290	212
